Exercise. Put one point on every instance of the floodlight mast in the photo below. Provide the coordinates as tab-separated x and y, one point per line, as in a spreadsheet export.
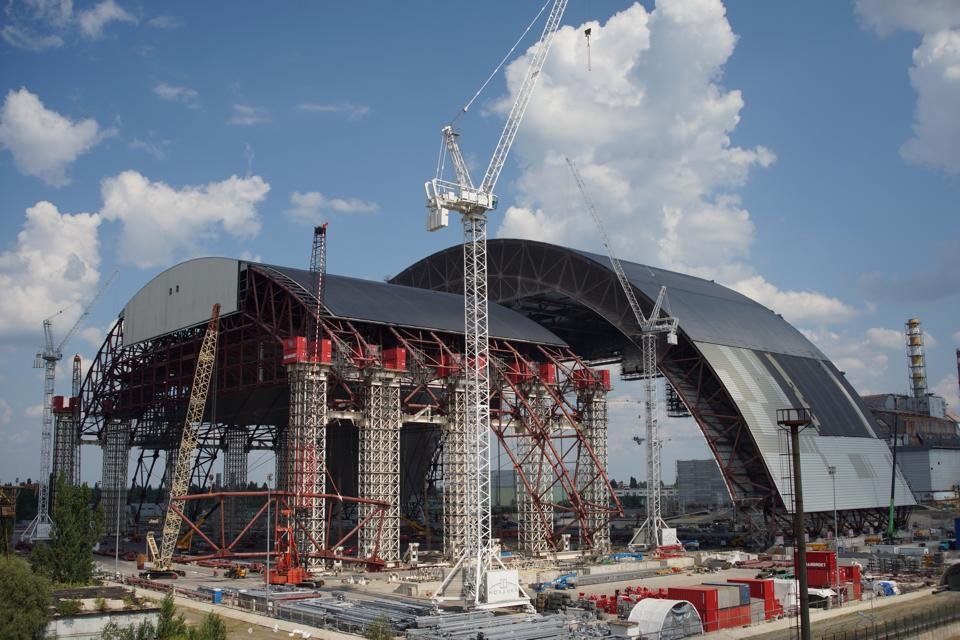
650	327
473	203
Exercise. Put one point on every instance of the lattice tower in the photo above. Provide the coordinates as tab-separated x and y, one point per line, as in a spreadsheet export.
533	530
593	407
116	452
235	472
455	479
379	468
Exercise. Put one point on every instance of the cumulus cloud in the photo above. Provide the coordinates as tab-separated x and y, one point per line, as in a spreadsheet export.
43	142
246	115
308	207
53	265
865	359
173	93
92	21
935	74
350	110
155	148
33	411
161	223
649	127
948	389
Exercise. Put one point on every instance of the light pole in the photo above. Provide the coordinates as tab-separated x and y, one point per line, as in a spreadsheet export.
832	470
116	541
267	574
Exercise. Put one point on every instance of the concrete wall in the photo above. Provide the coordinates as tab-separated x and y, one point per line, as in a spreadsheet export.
89	626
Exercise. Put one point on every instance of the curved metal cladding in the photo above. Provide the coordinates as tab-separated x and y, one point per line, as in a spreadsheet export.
736	363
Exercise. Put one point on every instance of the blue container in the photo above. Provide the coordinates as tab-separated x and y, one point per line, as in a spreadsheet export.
217	596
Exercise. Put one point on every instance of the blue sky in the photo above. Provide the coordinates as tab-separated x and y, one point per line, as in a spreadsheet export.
806	154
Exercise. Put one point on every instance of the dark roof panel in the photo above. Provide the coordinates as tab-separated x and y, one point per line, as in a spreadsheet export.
709	312
380	302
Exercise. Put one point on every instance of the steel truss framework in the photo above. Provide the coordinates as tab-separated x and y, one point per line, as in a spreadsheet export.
581	301
148	384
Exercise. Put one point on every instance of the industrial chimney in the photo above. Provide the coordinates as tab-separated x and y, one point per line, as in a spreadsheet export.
918	367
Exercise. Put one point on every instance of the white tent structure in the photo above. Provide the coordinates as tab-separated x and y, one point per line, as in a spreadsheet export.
665	619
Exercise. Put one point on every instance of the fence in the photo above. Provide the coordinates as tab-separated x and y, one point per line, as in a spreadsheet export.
900	628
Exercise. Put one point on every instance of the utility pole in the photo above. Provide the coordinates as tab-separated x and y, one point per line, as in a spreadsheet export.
796	419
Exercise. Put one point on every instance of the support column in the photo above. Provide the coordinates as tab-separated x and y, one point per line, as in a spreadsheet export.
66	449
379	466
307	455
533	528
235	474
593	403
113	485
455	480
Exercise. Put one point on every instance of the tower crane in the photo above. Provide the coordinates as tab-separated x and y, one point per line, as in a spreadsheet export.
47	359
180	478
650	326
473	203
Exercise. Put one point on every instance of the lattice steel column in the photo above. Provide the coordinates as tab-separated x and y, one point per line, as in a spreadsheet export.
533	529
281	452
113	486
379	468
307	454
594	411
66	449
235	473
455	478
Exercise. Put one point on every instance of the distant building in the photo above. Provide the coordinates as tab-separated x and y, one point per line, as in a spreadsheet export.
928	442
700	484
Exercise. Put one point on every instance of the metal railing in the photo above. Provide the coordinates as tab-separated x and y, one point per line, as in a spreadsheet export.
901	627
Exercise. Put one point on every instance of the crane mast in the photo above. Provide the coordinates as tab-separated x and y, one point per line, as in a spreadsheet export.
47	359
473	203
650	327
180	479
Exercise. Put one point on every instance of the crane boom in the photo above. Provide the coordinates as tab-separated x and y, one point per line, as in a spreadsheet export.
180	480
86	311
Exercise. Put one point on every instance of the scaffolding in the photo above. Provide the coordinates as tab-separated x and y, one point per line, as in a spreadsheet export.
235	472
66	442
306	455
535	525
455	479
593	409
379	465
113	491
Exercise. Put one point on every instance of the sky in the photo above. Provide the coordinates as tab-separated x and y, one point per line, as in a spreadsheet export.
804	154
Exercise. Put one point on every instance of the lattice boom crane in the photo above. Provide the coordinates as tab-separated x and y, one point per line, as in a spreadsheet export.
650	327
473	203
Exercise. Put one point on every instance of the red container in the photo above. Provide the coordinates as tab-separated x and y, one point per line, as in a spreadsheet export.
395	359
703	599
548	373
58	403
764	590
520	372
821	568
857	590
448	365
590	378
298	349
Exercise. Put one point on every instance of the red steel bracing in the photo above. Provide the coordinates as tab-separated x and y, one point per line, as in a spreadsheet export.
279	502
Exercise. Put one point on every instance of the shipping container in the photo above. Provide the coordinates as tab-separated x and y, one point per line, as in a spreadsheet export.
548	373
743	592
395	359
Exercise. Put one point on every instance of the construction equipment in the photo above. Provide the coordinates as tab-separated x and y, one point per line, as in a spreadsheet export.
473	203
186	540
287	569
47	359
650	327
236	571
566	581
180	478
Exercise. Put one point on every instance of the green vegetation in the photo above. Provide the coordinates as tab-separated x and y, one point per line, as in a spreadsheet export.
378	630
68	607
170	626
68	558
24	601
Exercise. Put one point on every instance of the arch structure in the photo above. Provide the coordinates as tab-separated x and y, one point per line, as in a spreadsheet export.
375	410
735	364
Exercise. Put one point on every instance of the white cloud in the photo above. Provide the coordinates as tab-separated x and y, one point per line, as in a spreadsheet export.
33	411
352	111
307	207
5	412
795	306
246	115
43	142
93	20
156	148
956	336
887	338
92	335
865	359
164	22
23	38
935	76
920	16
947	388
173	93
251	257
54	265
161	223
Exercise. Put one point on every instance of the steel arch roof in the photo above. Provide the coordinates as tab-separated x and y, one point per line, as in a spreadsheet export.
736	364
